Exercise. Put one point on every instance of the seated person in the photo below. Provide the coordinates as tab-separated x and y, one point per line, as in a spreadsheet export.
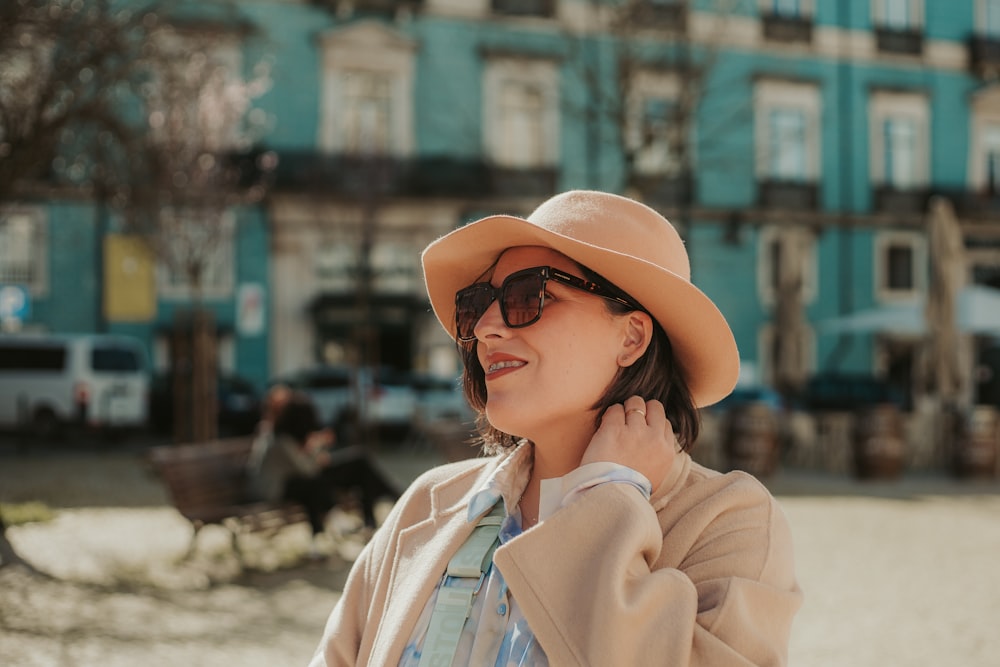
293	459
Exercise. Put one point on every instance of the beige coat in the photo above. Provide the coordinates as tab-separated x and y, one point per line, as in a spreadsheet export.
706	579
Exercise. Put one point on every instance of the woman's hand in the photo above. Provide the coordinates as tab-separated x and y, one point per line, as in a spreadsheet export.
635	434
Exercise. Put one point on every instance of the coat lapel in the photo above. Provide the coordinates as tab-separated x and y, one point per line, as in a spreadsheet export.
421	553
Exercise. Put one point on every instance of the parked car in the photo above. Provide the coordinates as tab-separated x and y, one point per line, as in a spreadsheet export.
382	397
49	383
239	405
440	398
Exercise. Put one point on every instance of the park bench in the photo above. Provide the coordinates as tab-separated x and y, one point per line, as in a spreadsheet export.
206	484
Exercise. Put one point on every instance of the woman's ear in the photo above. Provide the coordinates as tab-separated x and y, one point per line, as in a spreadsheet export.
638	332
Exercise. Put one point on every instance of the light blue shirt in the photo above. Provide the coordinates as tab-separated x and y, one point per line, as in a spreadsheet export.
496	632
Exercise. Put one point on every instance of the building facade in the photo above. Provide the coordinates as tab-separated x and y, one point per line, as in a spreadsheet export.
796	144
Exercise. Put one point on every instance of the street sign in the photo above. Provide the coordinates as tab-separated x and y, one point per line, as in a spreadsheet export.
15	303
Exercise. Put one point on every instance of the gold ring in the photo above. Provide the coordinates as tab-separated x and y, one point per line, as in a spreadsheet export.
641	412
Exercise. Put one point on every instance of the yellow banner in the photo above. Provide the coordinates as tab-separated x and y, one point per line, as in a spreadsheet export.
129	280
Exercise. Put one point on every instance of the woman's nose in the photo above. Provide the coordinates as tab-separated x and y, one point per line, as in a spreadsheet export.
490	323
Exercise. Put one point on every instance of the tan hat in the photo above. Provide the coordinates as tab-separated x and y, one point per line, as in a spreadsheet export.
625	241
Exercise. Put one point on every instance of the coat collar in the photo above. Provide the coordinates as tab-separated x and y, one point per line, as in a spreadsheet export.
421	556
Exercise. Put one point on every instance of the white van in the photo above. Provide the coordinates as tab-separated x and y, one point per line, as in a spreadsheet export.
50	382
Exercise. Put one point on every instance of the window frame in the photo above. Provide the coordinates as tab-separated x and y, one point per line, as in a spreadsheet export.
987	12
542	73
772	94
882	11
804	9
645	86
38	265
883	105
374	49
883	242
984	115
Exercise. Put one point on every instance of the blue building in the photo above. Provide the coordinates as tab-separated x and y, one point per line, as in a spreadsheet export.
797	145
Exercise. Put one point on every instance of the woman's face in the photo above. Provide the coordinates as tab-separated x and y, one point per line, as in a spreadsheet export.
551	372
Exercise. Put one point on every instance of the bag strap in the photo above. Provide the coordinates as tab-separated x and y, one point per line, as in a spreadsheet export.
454	604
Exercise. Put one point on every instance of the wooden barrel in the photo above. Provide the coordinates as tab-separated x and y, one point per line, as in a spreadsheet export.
976	446
878	442
752	439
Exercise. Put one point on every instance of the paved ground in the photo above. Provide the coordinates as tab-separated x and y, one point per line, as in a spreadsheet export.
895	573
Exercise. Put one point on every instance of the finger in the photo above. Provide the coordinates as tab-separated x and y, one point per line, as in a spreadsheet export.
614	413
635	408
656	414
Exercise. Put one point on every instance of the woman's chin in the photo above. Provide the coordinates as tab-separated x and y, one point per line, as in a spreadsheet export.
503	420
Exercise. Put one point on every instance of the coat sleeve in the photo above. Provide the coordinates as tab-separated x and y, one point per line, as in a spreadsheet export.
709	582
341	642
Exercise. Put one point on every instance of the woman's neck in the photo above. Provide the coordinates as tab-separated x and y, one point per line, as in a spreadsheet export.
555	454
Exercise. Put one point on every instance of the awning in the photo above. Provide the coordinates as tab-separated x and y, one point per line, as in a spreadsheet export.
978	312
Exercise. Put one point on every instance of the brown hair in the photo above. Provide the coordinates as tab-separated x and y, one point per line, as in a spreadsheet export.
655	375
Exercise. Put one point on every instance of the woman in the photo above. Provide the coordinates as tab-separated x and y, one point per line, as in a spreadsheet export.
587	352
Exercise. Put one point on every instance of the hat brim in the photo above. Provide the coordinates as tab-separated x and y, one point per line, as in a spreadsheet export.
699	334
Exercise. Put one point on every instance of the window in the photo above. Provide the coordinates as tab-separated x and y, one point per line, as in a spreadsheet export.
899	259
900	151
984	142
366	104
787	7
202	244
988	18
991	148
654	123
789	21
395	267
368	113
901	15
114	359
899	145
786	149
32	357
521	112
787	131
899	267
23	252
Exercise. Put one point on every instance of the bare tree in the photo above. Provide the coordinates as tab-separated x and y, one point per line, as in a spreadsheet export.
142	113
200	136
60	95
663	70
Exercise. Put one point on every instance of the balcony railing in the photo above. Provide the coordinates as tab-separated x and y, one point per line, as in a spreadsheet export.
784	28
900	201
544	8
648	14
896	40
790	195
984	56
664	191
428	176
978	205
381	7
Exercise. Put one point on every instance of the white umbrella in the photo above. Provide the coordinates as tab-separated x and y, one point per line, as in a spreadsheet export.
943	370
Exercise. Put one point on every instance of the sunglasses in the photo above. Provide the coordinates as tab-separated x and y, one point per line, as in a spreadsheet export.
521	296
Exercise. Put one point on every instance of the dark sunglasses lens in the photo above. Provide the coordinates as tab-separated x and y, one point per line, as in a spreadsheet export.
522	300
470	304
